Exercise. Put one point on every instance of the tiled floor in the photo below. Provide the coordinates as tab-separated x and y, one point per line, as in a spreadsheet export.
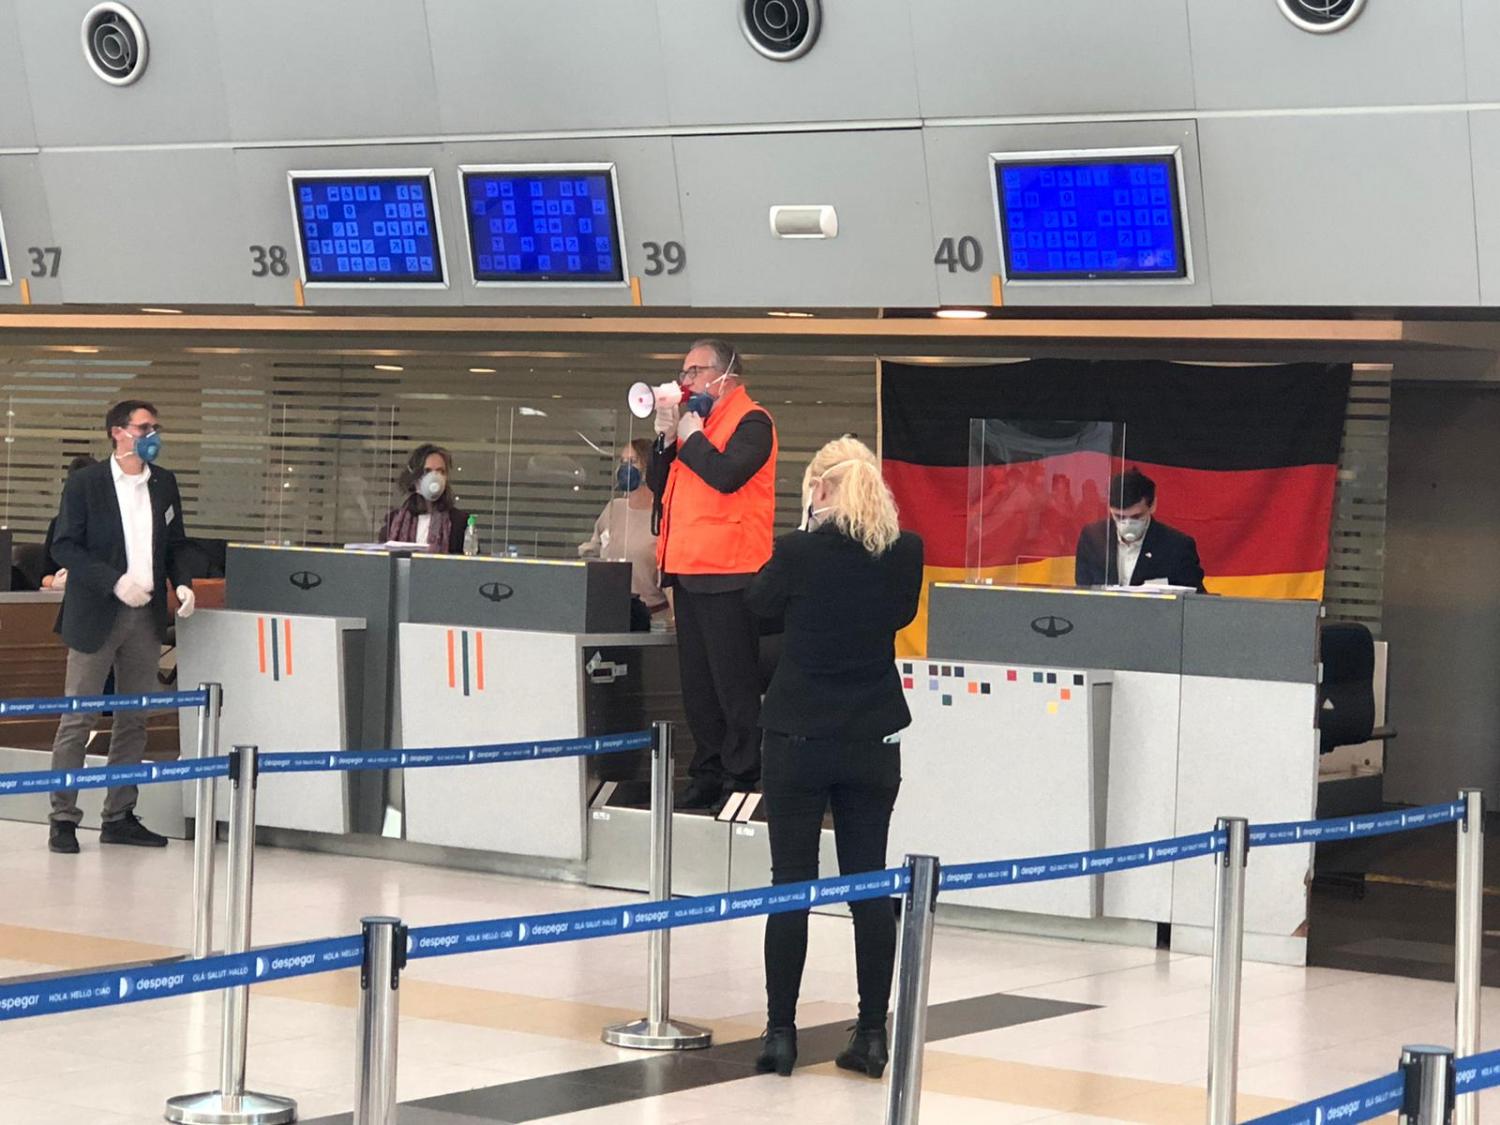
1023	1029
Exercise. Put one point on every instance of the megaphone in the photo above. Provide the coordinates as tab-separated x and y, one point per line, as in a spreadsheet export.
644	399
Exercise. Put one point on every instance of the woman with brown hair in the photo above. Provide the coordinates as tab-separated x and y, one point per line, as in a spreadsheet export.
428	513
622	533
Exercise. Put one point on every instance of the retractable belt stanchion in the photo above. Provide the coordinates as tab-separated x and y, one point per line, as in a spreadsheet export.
1228	954
1468	938
379	1017
658	1031
231	1103
913	969
204	826
1429	1086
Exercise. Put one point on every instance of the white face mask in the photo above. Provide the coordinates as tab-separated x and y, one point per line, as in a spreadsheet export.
432	485
1133	530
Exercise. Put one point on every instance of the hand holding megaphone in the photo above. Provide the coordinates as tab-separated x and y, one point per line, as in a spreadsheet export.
665	402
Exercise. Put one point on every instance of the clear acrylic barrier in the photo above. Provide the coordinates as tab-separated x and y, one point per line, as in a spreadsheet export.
1033	488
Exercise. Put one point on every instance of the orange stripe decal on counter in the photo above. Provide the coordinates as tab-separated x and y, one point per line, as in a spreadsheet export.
452	677
479	659
260	636
286	632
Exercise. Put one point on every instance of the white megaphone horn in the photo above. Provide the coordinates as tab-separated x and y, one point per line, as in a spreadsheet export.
644	398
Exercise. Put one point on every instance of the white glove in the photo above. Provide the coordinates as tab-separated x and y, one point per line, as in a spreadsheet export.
131	592
187	601
689	425
666	421
60	579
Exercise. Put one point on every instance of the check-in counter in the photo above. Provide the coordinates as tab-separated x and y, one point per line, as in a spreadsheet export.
465	686
1210	712
287	686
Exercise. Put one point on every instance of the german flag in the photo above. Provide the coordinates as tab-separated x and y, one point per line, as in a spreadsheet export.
1245	459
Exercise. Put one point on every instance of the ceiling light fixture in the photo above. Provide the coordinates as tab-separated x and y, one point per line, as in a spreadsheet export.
388	367
961	314
791	313
166	312
481	371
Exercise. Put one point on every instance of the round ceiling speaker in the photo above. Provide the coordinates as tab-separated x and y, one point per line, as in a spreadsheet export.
781	30
1321	16
114	43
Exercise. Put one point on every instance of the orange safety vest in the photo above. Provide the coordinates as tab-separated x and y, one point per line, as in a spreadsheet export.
705	531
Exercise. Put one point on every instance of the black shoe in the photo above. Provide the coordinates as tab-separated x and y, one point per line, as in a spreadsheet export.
868	1052
63	837
778	1051
701	793
129	830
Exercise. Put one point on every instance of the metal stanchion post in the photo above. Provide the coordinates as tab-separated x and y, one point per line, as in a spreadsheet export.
1229	949
913	969
379	1014
1429	1086
231	1103
1468	938
204	827
658	1031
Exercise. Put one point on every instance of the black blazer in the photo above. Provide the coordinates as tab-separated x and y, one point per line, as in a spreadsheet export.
89	540
837	674
1165	553
457	521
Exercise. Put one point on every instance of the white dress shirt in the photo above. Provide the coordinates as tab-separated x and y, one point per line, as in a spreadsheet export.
424	522
1127	554
135	514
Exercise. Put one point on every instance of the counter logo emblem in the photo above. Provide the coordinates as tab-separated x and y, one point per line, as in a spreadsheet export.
305	580
1052	626
495	591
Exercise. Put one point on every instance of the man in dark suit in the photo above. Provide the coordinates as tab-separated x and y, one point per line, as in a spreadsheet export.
118	534
1132	548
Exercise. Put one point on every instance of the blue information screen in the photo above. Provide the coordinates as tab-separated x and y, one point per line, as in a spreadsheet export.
368	230
1085	219
540	226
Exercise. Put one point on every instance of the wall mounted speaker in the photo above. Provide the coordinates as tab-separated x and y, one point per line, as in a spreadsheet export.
114	43
1321	16
781	30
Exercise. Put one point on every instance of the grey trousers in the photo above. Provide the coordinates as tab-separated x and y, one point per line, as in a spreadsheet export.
133	649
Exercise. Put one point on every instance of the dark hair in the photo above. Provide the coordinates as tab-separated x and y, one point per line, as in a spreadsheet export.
726	355
642	447
119	414
1129	488
416	468
82	461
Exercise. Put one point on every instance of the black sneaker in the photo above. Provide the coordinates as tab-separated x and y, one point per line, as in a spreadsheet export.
63	837
701	793
129	830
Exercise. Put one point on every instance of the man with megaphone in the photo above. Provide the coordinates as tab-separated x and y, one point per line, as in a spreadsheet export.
713	469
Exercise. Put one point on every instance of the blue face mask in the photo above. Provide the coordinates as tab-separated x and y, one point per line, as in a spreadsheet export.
627	478
148	447
700	404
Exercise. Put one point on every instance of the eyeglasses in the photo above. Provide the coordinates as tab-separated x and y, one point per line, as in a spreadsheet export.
144	427
689	373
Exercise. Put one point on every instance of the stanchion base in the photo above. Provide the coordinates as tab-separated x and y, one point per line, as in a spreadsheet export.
669	1035
214	1108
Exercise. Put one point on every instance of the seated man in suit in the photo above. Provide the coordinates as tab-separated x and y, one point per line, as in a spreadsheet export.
1131	548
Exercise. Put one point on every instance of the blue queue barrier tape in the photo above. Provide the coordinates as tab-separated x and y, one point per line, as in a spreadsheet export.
1477	1072
315	761
575	925
1071	865
102	777
60	705
178	978
1354	827
1364	1102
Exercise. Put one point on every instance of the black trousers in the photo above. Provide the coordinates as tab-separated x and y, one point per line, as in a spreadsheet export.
718	645
803	777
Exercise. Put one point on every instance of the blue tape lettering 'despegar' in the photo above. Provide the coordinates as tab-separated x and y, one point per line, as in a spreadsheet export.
60	705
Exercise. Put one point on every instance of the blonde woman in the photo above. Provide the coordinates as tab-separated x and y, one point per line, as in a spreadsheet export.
845	583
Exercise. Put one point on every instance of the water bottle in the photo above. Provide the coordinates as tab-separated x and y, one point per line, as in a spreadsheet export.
471	537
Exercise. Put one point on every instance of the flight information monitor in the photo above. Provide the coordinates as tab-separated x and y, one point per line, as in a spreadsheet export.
368	228
1114	216
544	224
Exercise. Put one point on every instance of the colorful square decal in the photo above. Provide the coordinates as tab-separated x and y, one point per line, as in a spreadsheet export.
932	685
906	668
1037	677
947	669
1067	694
1052	677
1077	680
1052	707
1010	677
984	689
947	701
907	682
959	672
973	688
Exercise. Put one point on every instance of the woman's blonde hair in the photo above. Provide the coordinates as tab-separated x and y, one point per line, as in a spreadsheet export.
859	502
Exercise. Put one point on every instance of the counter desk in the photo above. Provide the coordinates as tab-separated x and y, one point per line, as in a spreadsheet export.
1049	721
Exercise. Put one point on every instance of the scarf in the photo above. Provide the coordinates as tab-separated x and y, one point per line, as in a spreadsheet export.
403	525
